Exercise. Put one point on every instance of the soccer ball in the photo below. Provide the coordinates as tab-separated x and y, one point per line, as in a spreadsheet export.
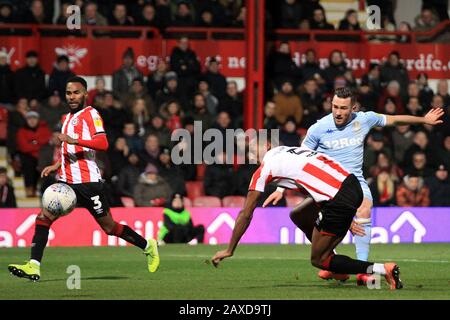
59	199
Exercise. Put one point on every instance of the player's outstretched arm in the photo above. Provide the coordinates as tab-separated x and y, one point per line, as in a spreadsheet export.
242	222
432	117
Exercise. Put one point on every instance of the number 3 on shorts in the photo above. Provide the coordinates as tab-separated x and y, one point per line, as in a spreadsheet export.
97	202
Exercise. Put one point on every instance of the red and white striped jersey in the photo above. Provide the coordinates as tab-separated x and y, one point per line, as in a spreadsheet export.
78	163
300	167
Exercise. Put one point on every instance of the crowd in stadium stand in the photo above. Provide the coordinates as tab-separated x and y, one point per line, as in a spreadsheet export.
405	165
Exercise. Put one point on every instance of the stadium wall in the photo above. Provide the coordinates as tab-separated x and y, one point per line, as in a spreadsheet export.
269	225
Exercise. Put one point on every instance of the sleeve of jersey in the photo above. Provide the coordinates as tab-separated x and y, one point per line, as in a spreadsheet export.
259	179
311	140
375	119
98	142
95	123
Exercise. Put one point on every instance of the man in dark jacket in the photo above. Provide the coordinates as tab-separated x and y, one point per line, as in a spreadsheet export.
171	173
123	77
53	110
6	80
233	104
186	65
29	81
280	66
152	190
217	180
217	81
128	176
439	186
393	69
60	74
7	197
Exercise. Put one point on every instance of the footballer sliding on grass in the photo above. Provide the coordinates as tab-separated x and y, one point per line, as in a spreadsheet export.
337	191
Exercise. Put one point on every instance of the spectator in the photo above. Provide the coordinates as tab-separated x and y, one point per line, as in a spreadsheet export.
212	103
291	13
118	155
270	122
151	190
439	186
402	139
404	27
200	112
172	112
6	13
163	12
412	192
375	145
311	99
392	93
421	143
367	97
155	81
442	90
426	21
336	67
59	76
217	180
122	78
230	10
158	128
117	114
171	173
183	16
384	163
184	62
36	14
140	116
138	91
372	78
8	198
16	120
413	107
147	17
170	91
287	104
128	176
206	19
92	17
29	81
30	139
222	123
350	21
53	110
6	80
64	14
419	165
99	89
280	66
288	135
440	7
151	151
134	143
319	20
393	69
243	176
119	16
383	189
444	152
311	68
178	226
233	103
425	93
216	80
413	91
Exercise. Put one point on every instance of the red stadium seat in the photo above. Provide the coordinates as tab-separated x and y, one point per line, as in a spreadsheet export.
292	201
194	189
207	201
187	202
127	202
233	201
3	124
201	171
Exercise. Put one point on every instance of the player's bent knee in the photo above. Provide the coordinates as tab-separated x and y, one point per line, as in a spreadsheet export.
114	229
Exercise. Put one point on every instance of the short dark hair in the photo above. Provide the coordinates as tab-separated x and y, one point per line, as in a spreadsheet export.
345	92
79	80
3	170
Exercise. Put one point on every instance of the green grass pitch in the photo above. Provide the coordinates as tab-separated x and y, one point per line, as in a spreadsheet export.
256	272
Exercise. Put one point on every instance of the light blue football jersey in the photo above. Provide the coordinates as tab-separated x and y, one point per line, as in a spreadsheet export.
346	143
